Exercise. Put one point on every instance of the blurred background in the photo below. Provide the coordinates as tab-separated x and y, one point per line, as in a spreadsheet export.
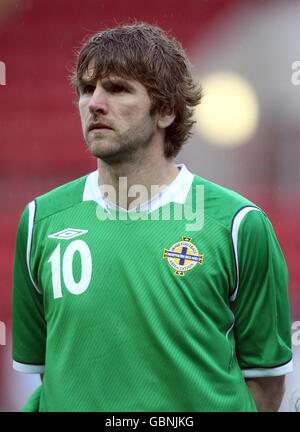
246	55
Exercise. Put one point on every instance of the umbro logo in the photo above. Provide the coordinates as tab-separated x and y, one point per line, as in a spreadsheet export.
67	233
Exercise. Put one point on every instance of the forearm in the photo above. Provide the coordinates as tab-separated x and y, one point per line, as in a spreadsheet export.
267	392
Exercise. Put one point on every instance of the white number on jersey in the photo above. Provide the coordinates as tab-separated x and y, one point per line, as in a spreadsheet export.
67	268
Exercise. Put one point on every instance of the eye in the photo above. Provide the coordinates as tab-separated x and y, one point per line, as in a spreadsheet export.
87	89
116	88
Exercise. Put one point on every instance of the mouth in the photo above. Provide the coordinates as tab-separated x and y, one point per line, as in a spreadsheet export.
98	127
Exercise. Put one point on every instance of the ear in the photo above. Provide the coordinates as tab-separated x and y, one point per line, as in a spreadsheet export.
165	119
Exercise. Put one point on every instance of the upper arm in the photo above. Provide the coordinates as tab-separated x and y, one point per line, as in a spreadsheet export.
267	392
28	323
260	303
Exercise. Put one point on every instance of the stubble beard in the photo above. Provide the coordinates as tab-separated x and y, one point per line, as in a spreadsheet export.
124	148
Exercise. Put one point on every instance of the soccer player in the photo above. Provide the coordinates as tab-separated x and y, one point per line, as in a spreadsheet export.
141	286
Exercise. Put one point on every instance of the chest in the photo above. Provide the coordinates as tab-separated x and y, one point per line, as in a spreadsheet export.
142	267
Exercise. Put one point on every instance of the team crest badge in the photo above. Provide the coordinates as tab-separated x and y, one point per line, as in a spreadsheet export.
183	256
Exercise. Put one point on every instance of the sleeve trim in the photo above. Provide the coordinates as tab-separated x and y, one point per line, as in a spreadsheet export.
268	372
32	211
234	233
28	368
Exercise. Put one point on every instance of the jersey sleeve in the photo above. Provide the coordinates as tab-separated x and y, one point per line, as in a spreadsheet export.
260	302
28	323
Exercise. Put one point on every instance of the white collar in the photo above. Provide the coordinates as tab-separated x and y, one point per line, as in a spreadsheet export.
175	192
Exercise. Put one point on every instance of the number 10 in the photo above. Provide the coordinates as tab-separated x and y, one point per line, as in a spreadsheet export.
67	268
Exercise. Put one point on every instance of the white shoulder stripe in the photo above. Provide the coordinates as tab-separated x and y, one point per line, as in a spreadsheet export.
32	209
234	233
27	368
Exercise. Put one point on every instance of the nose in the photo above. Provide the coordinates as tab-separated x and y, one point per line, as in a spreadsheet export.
99	103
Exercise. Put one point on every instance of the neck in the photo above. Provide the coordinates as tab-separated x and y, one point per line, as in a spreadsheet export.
132	182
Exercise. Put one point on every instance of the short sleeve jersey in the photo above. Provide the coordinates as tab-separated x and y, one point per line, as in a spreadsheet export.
164	308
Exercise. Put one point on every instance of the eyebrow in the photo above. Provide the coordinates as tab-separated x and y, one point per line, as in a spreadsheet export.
121	81
113	80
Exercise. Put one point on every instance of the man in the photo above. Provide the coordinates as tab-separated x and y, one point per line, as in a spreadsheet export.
143	287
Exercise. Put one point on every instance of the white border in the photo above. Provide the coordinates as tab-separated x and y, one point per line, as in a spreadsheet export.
27	368
32	209
235	231
268	372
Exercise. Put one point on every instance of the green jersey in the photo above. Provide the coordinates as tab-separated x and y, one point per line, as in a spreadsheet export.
165	308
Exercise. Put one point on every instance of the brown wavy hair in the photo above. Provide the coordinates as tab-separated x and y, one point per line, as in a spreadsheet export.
145	53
